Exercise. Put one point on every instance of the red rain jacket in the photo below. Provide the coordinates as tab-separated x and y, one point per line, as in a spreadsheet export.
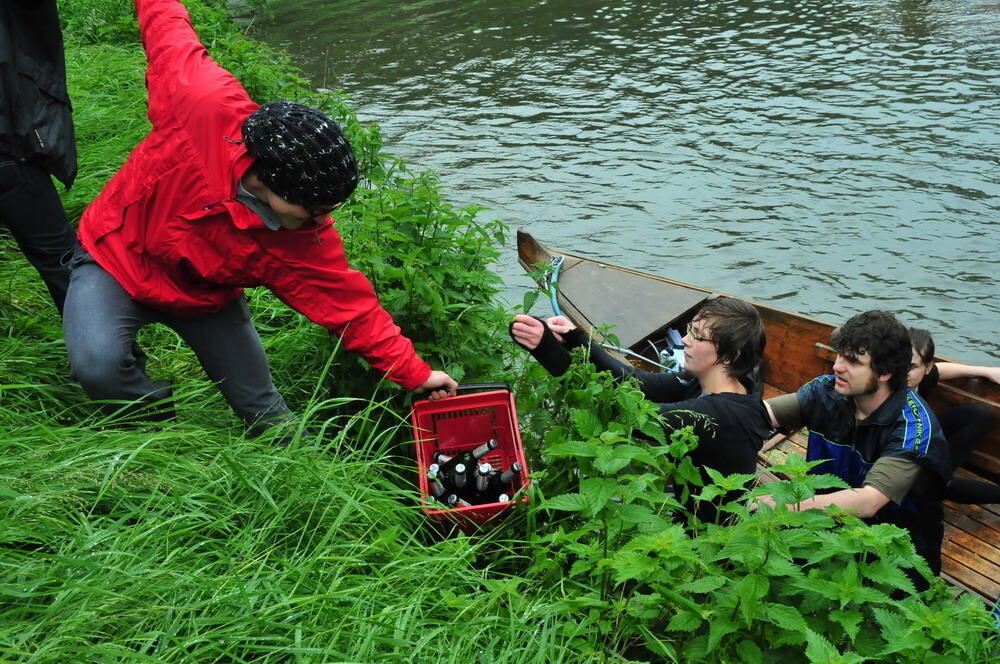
168	228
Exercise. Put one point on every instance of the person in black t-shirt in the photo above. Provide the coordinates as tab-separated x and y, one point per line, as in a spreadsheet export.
714	394
963	426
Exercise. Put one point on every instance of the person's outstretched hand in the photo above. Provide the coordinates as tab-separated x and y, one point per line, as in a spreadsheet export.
527	331
560	325
440	385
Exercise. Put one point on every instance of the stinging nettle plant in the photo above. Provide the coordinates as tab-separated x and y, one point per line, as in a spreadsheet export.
654	582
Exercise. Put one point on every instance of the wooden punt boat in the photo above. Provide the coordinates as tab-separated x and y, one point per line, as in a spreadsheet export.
641	307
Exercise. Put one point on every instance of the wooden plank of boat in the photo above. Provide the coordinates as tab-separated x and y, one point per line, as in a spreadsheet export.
641	306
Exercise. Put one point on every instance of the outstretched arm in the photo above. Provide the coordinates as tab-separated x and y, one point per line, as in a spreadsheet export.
180	72
864	502
949	370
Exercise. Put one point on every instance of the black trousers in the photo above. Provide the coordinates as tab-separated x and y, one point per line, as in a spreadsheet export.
31	209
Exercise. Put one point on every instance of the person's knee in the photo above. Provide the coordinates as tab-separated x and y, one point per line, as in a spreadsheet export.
101	370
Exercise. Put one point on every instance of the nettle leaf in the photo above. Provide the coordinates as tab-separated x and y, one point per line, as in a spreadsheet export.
573	448
795	465
749	653
636	514
654	430
819	586
777	567
786	617
895	628
598	491
684	621
718	628
821	651
633	565
753	587
587	424
705	584
607	462
529	300
567	502
580	566
889	573
688	473
849	620
728	483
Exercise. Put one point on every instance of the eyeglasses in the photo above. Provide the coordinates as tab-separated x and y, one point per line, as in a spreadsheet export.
694	335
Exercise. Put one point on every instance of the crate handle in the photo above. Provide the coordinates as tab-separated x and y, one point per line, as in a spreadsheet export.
466	387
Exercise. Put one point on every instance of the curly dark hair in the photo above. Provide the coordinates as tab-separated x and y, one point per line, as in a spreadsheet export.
882	337
737	331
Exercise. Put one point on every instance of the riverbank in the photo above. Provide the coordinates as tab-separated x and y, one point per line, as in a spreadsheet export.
186	541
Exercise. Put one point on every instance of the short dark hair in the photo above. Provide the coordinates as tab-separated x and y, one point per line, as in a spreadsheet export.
882	337
923	343
737	331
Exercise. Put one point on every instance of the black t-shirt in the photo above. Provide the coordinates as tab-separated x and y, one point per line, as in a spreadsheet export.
730	427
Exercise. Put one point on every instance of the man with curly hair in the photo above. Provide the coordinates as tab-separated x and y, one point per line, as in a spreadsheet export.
873	432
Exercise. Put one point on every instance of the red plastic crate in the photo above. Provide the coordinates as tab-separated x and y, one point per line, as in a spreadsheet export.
460	423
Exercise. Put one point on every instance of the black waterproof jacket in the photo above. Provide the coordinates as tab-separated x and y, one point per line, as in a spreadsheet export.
35	112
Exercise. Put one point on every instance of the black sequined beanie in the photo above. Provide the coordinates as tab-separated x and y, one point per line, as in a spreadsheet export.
300	154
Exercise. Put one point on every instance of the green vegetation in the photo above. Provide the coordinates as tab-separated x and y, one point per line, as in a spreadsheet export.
189	542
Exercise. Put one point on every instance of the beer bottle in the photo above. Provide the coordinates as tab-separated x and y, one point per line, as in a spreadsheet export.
483	476
434	484
508	475
458	476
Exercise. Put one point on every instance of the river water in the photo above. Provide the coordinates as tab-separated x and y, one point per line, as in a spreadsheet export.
823	157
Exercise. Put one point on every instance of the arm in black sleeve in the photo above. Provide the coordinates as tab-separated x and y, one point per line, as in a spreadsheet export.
658	387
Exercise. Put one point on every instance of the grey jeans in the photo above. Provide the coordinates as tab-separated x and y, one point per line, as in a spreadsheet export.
100	324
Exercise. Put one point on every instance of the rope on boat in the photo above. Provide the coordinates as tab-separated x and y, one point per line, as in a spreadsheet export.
550	283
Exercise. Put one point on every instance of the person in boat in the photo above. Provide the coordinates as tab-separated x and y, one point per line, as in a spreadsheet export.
221	195
36	139
964	426
874	433
714	394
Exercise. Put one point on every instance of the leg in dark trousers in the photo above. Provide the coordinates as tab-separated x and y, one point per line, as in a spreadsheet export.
965	426
31	209
101	324
230	351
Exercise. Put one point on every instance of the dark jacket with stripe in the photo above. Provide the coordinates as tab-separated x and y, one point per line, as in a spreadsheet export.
903	426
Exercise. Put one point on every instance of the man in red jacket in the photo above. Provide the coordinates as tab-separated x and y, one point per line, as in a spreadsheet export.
221	195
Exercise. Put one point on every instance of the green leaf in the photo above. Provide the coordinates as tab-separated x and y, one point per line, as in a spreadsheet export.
529	300
849	620
567	502
684	621
718	628
630	565
609	464
785	617
705	584
749	653
572	448
819	650
752	587
587	423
